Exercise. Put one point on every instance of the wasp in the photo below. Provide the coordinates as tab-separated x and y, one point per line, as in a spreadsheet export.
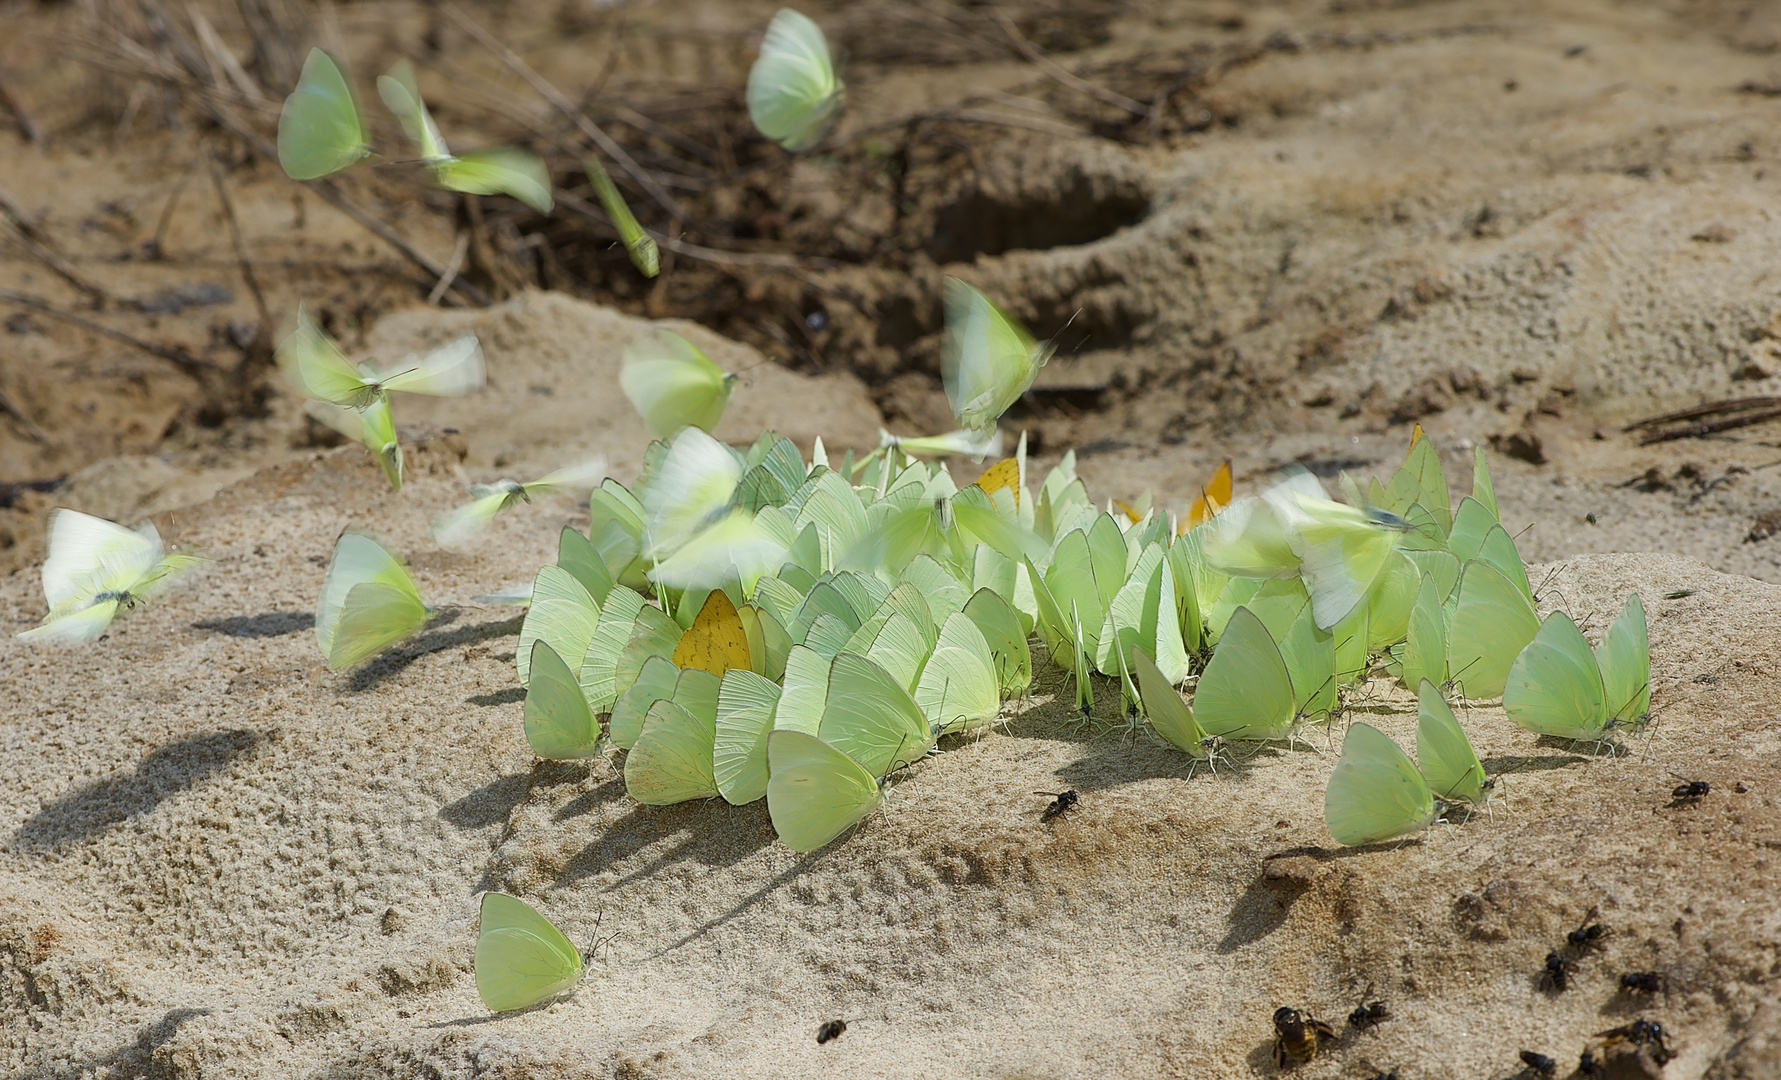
1538	1064
830	1031
1690	793
1295	1037
1642	982
1556	975
1062	802
1368	1013
1589	935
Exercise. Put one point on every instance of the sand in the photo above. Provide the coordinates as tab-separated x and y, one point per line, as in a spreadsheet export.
218	859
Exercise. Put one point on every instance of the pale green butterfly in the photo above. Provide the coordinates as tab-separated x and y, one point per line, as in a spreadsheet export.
577	554
746	703
959	689
875	721
645	256
1624	656
1482	488
1375	792
521	957
672	760
460	524
615	529
1424	653
559	724
1143	614
805	691
315	367
1167	712
1558	686
620	617
988	360
1492	622
368	602
1246	691
374	427
1391	599
793	94
502	171
654	633
1419	482
673	384
902	651
562	616
1443	753
814	791
1006	636
685	489
320	131
96	568
975	445
1310	656
1081	663
655	682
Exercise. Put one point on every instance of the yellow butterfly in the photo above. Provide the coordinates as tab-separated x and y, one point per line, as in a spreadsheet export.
716	642
1003	474
1215	496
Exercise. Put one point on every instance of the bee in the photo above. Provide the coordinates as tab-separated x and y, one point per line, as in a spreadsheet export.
1295	1037
1556	975
830	1031
1642	982
1646	1034
1538	1064
1368	1013
1690	793
1589	935
1062	802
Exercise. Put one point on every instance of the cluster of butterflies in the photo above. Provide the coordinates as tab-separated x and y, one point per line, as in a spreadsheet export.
794	98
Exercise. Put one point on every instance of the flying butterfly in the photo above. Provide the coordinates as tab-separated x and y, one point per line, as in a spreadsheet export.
502	171
674	385
316	368
975	445
460	524
988	360
320	130
368	603
373	427
521	957
794	96
95	569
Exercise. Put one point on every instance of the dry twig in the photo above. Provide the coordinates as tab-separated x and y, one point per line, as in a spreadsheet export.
1057	71
1707	419
247	267
185	361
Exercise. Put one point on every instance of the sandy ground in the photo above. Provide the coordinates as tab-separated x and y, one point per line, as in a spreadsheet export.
219	859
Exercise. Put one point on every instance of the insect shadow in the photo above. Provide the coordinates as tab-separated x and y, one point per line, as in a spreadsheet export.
267	624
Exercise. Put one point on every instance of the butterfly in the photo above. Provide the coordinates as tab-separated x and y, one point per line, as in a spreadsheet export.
95	569
320	130
521	957
458	525
368	603
504	170
1375	792
673	384
794	96
988	360
1558	686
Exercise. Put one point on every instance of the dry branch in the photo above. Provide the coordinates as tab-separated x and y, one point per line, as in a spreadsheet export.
185	361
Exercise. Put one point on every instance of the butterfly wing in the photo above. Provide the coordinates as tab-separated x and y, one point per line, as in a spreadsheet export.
745	706
1166	710
376	615
74	623
320	131
1443	752
655	681
958	689
988	360
559	724
1554	686
453	369
504	170
1492	622
357	560
793	94
316	368
673	384
90	555
1624	657
1246	691
671	761
402	97
876	722
814	791
562	616
716	642
1375	793
521	957
459	524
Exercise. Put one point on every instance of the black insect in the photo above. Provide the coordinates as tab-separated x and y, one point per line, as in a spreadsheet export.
1588	1064
1538	1064
830	1031
1062	802
1646	1033
1556	976
1588	936
1642	982
1392	1075
1692	792
1295	1037
1368	1013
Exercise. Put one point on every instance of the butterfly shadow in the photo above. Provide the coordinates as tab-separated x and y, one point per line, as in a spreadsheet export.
267	624
494	802
710	832
434	639
512	695
1504	764
136	1058
802	864
93	808
1283	878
